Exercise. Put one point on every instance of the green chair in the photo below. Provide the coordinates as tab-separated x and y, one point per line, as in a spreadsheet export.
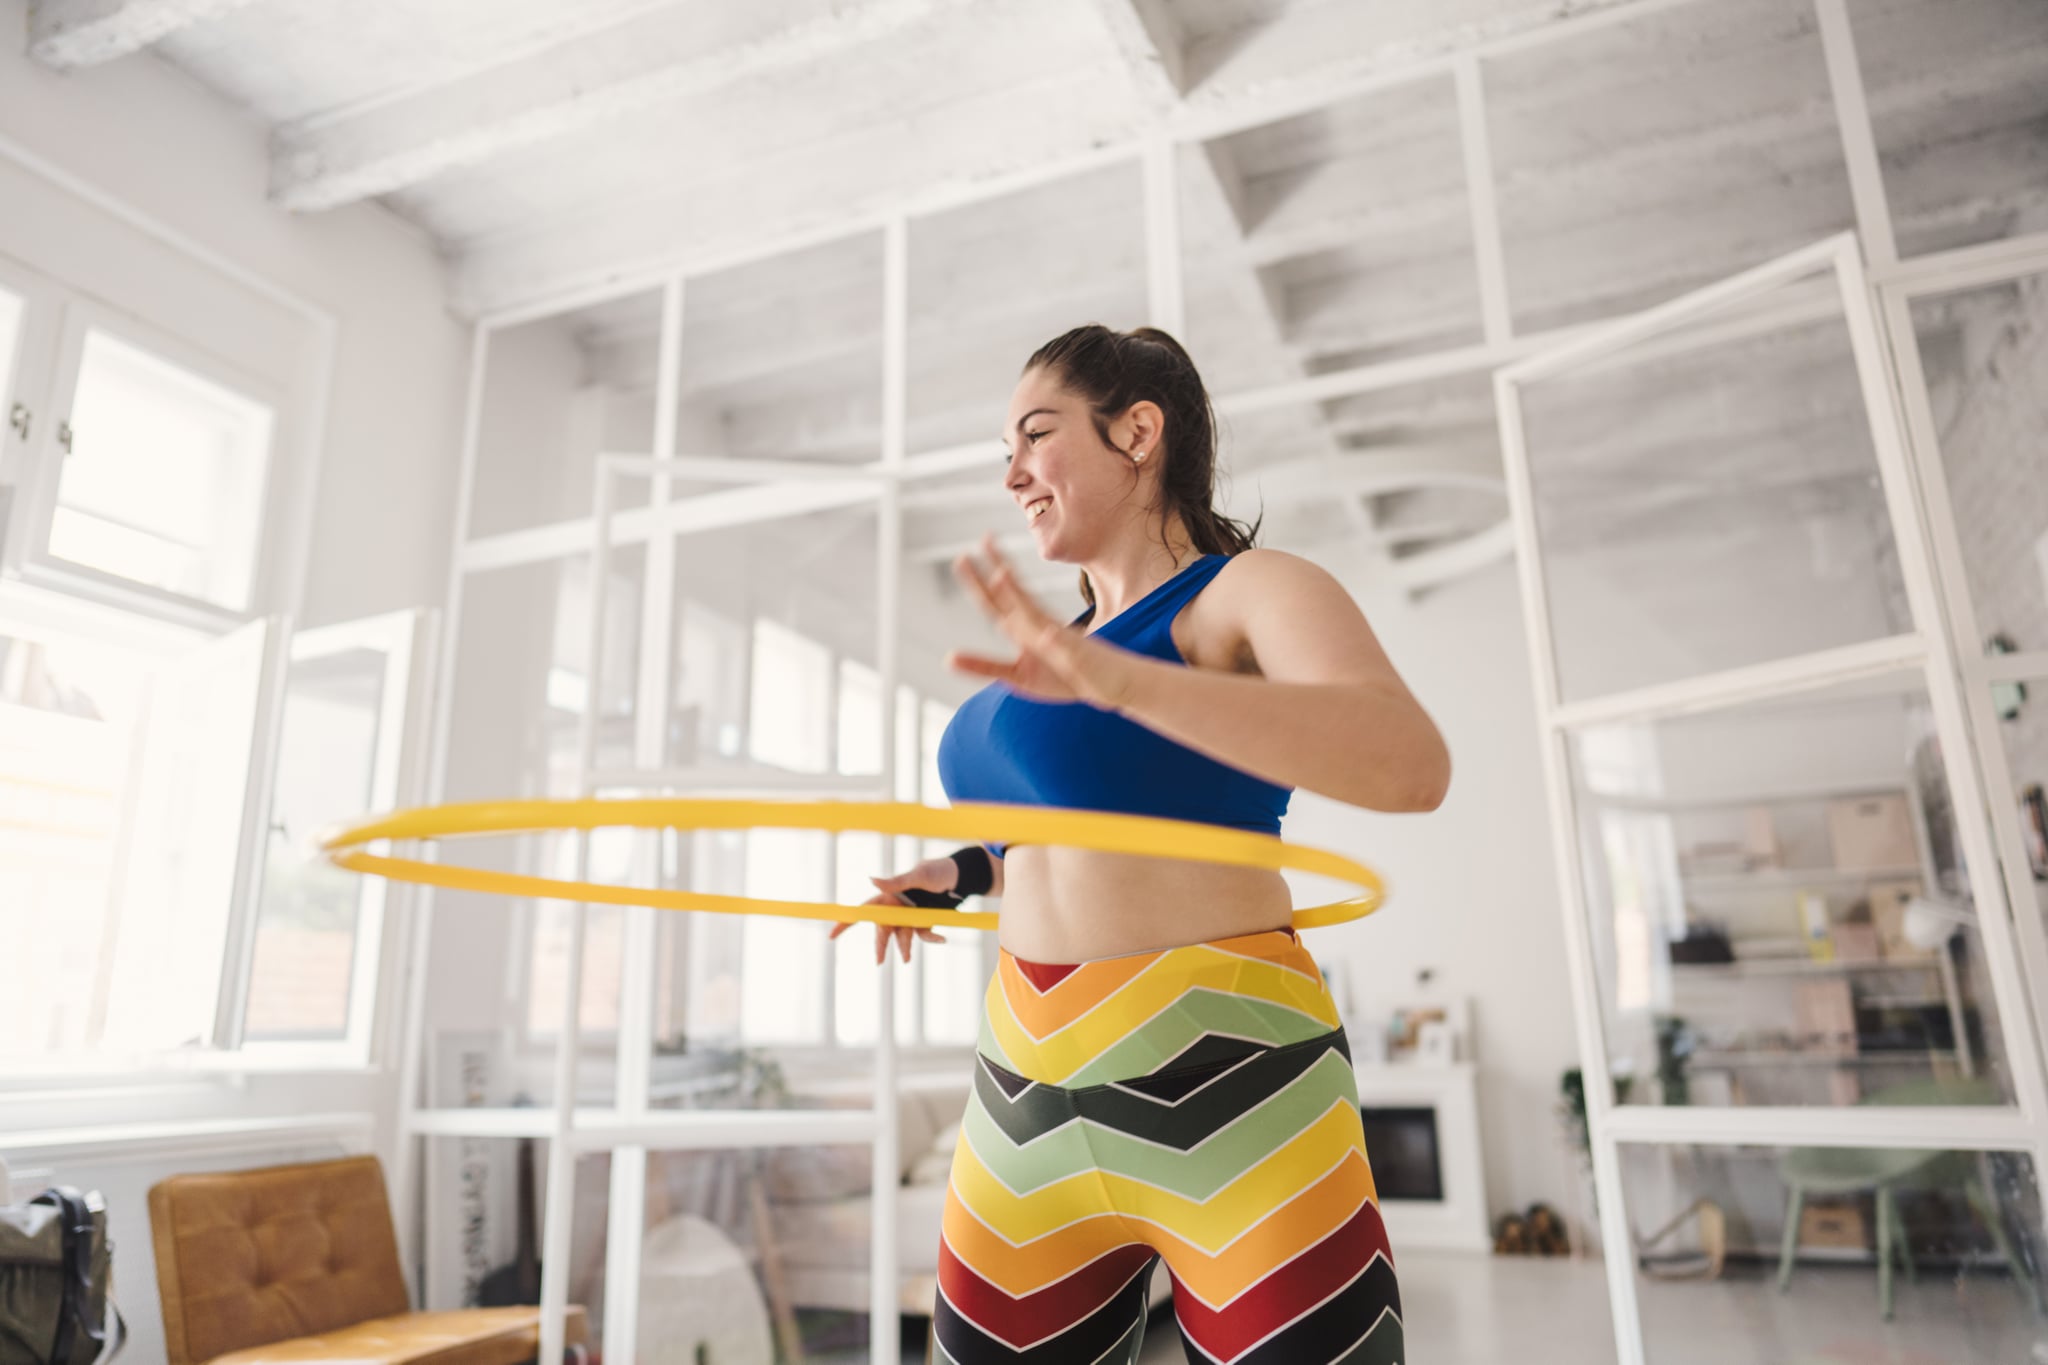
1886	1170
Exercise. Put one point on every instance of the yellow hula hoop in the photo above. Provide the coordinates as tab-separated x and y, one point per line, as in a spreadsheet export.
1147	836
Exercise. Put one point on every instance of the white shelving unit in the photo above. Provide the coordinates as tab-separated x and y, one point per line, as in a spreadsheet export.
1796	878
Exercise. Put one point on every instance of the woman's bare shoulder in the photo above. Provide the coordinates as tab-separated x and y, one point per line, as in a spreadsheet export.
1213	632
1260	574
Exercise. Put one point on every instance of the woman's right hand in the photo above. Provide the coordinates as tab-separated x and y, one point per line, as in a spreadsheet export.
933	874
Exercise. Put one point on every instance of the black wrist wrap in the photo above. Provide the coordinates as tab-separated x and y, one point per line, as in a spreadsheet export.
977	871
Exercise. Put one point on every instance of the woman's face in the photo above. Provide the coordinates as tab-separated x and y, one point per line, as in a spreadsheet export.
1072	491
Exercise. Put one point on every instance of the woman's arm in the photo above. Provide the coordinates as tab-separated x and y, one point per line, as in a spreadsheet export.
1326	710
1329	714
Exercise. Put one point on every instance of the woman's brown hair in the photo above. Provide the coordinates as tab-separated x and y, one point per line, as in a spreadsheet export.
1112	370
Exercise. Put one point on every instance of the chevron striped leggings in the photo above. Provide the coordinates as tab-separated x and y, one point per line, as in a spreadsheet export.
1195	1104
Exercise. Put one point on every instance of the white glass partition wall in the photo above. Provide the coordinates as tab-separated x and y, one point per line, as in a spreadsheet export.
1788	934
1261	210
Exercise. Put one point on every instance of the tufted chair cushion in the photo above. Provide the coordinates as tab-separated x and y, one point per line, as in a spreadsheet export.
472	1336
300	1263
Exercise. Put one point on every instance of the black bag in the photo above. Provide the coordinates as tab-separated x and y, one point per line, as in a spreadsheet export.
56	1272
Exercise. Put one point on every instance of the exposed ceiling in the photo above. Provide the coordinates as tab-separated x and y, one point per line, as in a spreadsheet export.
1654	146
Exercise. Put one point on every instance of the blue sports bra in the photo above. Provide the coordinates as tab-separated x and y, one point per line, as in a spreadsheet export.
1000	746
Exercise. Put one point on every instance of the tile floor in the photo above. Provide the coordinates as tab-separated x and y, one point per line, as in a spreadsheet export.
1481	1310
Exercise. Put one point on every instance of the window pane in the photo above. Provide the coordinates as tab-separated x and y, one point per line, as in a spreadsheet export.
165	481
1334	238
1651	156
1415	468
792	700
713	654
993	281
782	979
520	686
1779	1253
855	973
1985	355
744	1244
1709	498
12	310
909	762
558	392
2022	709
604	938
179	866
700	1002
782	357
1958	93
70	712
860	718
121	782
300	983
954	984
1778	912
770	607
909	769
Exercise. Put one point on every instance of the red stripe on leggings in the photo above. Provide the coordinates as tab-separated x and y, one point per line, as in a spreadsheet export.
1046	1312
1287	1292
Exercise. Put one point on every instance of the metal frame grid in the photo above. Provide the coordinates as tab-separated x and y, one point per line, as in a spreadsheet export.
1930	649
772	489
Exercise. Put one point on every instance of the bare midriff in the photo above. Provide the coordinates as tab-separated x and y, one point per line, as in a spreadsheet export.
1077	905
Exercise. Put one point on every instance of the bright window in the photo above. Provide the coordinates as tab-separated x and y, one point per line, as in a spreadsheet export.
124	761
783	961
710	686
164	481
791	712
860	718
759	980
306	927
347	699
70	712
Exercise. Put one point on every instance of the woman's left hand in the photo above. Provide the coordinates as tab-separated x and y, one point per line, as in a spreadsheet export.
1053	663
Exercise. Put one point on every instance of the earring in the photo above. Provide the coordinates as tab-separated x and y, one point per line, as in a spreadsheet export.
1137	456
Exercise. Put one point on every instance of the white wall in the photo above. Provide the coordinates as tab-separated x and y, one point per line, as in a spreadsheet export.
149	137
1474	893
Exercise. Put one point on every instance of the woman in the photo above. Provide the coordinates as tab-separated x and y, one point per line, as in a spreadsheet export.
1161	1071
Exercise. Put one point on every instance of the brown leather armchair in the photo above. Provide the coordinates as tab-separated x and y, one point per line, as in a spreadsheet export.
300	1263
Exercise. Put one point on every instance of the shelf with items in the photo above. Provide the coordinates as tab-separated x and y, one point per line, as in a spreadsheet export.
1795	878
1782	796
1722	1059
1806	966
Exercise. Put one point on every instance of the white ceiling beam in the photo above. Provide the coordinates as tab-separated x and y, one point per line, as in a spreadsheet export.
69	34
1279	65
603	76
1148	38
1400	534
667	227
1439	564
1386	469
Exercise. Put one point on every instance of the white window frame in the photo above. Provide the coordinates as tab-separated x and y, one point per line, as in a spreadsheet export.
51	338
23	392
41	605
406	640
81	316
